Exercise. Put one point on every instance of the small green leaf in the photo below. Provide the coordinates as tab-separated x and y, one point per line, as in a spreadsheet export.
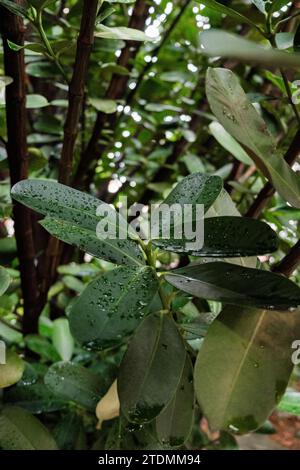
62	339
244	366
19	430
36	101
151	369
11	372
112	306
103	105
35	398
34	46
4	280
126	34
75	383
234	284
174	424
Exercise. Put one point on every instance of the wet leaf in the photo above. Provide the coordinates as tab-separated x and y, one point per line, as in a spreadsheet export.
35	398
62	339
19	430
151	369
75	383
244	365
112	306
226	236
237	285
229	143
72	217
174	424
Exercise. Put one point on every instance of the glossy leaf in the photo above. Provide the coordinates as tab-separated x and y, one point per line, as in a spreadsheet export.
68	432
234	111
13	7
151	369
174	424
35	398
229	143
62	339
74	383
218	43
237	285
19	430
196	188
71	216
4	280
12	371
244	365
112	306
227	237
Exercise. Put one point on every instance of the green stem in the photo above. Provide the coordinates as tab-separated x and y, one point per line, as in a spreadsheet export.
286	83
151	260
51	53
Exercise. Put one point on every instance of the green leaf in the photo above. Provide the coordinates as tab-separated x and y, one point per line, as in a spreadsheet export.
75	383
196	188
104	106
42	347
121	32
4	280
174	424
290	402
112	306
11	372
227	237
13	7
261	5
237	285
36	101
234	111
244	365
35	398
276	5
224	10
68	431
34	46
19	430
72	218
62	339
218	43
151	369
229	143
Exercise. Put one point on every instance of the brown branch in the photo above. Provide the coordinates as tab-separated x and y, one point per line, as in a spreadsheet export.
76	90
290	262
155	52
13	30
267	192
115	91
76	96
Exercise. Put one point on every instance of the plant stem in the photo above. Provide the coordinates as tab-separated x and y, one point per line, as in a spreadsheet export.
12	29
52	56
